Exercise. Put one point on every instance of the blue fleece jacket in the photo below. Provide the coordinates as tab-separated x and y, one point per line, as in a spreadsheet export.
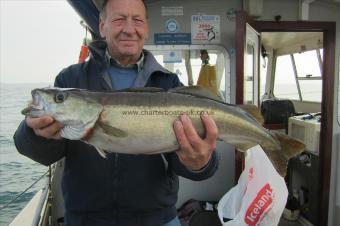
121	189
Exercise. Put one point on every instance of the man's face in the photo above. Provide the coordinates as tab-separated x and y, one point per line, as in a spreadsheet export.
125	29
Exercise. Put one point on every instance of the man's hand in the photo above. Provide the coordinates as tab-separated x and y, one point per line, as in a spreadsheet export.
45	126
194	152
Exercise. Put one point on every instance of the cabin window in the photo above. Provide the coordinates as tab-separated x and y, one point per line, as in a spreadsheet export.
249	75
308	70
285	84
187	62
298	76
263	73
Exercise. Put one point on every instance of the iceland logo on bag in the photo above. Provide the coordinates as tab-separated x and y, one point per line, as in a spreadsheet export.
259	206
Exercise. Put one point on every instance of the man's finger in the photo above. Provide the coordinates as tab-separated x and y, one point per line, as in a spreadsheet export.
190	131
180	135
57	136
39	123
50	131
210	127
185	146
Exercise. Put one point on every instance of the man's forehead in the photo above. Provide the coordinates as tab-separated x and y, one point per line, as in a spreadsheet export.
124	7
100	3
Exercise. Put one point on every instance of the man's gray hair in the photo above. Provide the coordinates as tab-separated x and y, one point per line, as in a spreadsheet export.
102	11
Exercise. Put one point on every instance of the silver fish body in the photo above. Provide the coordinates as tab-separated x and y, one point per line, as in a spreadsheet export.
141	121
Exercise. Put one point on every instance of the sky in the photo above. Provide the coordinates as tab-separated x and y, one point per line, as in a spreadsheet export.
38	38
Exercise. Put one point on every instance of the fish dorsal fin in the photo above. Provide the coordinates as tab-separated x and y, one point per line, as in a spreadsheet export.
253	111
142	89
197	91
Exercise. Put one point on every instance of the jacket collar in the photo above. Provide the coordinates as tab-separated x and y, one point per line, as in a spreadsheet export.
139	64
148	66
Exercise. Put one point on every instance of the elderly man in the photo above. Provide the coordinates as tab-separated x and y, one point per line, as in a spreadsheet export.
99	191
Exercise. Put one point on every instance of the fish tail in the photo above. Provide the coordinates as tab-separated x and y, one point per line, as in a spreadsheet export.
290	146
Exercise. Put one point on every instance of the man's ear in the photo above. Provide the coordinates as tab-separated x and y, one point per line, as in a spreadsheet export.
102	31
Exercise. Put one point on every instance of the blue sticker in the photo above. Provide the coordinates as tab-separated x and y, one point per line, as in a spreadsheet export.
171	26
172	38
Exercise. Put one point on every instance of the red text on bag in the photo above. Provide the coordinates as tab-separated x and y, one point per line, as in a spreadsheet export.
260	204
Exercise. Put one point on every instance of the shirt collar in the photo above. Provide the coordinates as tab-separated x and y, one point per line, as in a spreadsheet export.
139	64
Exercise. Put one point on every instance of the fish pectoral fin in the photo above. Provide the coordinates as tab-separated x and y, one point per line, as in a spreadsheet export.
110	130
102	153
197	91
252	110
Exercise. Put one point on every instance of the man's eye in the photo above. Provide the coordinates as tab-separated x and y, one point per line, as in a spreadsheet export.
118	20
139	20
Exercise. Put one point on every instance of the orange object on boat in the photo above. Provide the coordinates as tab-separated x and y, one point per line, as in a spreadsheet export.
207	75
84	53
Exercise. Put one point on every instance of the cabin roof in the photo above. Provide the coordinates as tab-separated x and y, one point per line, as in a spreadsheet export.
286	42
88	10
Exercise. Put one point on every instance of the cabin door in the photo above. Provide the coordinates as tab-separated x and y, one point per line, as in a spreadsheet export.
247	87
247	64
247	71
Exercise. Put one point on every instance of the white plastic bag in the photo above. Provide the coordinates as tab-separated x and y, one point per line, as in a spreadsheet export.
260	196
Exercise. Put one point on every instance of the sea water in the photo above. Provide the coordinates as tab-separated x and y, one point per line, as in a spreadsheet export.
17	172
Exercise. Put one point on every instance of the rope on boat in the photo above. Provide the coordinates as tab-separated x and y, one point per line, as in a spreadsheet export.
18	196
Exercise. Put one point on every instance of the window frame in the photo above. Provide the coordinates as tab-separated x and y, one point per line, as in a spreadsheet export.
299	78
227	63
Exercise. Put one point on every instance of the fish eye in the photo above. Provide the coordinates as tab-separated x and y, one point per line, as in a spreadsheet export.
60	97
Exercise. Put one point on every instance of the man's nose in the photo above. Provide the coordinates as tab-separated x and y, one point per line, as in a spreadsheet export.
129	27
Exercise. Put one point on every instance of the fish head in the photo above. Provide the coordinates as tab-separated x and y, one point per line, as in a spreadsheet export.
73	108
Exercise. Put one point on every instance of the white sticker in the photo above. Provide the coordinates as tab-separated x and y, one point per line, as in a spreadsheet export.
205	29
171	26
172	11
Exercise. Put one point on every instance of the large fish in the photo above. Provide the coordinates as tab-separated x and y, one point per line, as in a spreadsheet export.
140	121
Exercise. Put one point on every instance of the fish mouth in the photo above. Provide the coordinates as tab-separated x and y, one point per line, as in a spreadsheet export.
34	109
